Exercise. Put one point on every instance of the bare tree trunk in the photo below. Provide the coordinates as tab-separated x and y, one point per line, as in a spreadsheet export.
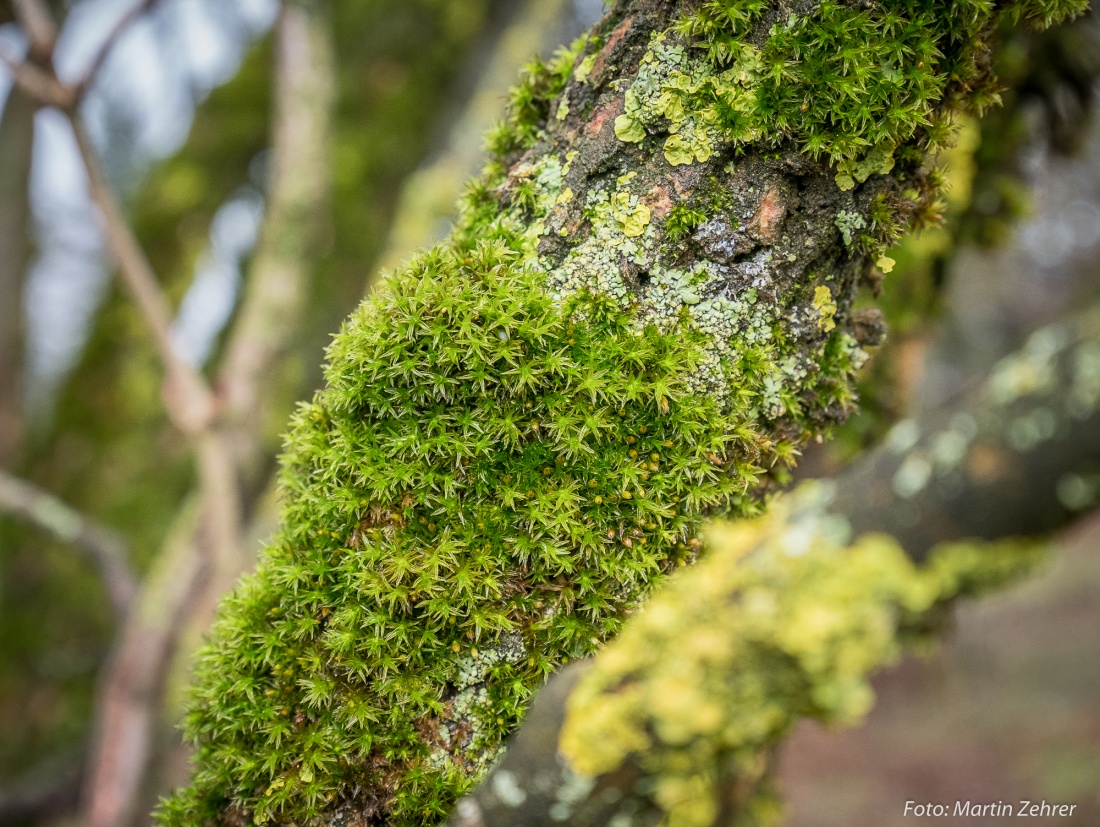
16	144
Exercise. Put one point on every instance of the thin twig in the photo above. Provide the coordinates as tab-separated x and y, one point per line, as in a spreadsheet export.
101	545
37	83
37	21
292	230
132	16
191	406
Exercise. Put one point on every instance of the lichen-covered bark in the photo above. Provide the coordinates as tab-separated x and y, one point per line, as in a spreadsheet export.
1021	458
1017	456
646	306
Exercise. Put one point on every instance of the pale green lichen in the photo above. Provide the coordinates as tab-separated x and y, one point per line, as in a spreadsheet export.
879	160
848	223
784	618
668	82
741	347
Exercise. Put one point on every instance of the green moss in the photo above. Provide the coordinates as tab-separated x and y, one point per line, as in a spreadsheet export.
849	82
783	619
540	84
682	220
488	470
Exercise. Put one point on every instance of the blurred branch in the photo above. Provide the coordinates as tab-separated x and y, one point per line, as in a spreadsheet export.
191	404
267	325
16	150
37	21
132	16
106	551
293	230
39	84
129	696
42	83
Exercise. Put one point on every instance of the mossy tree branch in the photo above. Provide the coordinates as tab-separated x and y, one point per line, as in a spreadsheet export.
645	308
1018	456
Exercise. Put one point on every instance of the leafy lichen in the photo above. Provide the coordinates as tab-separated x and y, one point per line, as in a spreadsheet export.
784	618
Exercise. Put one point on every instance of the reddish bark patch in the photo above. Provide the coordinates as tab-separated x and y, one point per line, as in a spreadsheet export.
598	66
658	201
600	117
769	217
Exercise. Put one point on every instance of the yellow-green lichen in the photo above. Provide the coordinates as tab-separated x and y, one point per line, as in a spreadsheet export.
784	618
630	216
825	305
668	84
849	82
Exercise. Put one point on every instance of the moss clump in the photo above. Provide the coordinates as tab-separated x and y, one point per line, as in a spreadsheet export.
783	619
488	484
682	220
541	82
850	82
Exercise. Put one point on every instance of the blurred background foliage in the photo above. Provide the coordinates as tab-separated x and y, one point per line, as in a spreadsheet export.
405	70
418	82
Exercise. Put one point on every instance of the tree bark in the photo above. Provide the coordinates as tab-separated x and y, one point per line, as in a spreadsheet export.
16	144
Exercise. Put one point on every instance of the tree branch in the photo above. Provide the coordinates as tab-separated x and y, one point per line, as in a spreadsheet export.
295	222
37	21
16	151
136	12
102	546
234	444
191	405
649	199
38	84
1019	456
129	695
